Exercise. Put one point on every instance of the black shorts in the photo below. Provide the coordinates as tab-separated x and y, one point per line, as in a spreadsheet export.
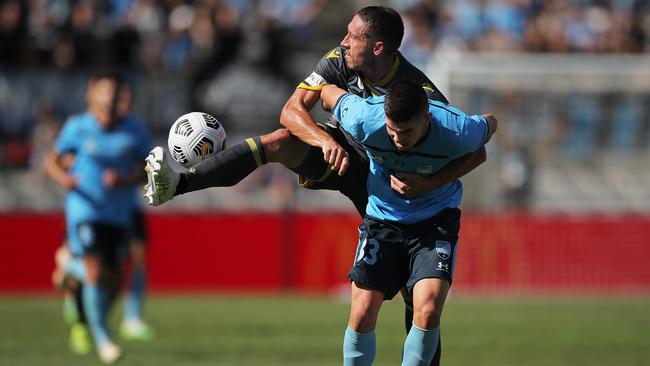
353	184
391	256
105	240
138	227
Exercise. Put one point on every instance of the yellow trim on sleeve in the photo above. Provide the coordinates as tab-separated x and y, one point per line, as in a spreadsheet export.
309	87
334	54
307	182
256	152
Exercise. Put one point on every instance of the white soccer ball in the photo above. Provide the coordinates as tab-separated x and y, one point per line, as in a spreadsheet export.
194	137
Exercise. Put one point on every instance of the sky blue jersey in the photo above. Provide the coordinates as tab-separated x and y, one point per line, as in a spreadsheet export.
451	134
96	149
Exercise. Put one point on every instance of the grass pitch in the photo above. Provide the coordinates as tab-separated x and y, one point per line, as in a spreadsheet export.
287	331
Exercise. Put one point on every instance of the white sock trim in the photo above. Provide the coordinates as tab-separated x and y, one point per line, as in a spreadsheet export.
424	330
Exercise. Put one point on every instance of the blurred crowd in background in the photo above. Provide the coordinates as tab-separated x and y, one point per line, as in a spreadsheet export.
200	36
240	59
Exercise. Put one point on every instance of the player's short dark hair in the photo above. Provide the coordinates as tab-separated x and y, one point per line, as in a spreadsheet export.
384	24
404	101
107	72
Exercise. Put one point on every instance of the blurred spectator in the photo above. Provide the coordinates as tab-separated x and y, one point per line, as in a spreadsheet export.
12	32
418	42
516	178
65	33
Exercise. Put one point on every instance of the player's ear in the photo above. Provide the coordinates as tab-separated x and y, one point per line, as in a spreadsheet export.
378	49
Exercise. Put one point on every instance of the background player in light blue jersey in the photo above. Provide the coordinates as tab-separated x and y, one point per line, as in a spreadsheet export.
133	326
108	147
405	239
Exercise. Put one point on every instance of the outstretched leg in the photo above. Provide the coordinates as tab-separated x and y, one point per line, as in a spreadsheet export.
231	165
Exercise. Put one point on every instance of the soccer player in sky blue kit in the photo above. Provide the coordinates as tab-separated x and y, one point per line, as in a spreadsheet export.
108	148
404	240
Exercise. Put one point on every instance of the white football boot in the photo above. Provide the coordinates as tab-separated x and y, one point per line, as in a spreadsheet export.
109	352
161	178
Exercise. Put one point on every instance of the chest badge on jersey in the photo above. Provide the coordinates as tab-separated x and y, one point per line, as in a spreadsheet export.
424	169
90	146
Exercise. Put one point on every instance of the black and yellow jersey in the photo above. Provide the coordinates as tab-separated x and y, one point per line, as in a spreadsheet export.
331	69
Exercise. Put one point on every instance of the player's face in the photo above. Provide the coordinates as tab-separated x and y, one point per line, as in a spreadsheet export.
358	45
407	134
106	103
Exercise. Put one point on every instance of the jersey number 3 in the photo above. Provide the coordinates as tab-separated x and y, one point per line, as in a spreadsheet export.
368	250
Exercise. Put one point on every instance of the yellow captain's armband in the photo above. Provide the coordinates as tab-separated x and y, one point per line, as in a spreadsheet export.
310	87
313	82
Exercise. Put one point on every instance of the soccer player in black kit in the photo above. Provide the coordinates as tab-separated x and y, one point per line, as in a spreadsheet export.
324	156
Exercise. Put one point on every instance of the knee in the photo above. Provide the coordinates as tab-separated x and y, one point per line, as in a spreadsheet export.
361	320
277	141
93	270
427	316
137	255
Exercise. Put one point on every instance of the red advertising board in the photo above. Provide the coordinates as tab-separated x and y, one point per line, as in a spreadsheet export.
519	253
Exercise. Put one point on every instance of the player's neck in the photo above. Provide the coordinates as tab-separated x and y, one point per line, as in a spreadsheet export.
380	68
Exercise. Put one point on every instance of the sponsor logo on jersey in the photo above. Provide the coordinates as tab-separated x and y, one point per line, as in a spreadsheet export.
355	86
90	146
379	159
443	248
424	169
443	267
314	79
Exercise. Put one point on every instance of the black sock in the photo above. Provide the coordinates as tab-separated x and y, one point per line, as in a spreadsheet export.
81	314
225	169
314	166
436	357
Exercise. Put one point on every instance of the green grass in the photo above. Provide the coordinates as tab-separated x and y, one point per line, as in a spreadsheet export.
298	331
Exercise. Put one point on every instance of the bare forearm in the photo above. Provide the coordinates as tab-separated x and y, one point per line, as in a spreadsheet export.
300	123
296	118
458	167
54	168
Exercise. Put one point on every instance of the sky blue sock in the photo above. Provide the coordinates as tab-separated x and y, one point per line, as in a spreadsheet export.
76	268
107	299
420	346
92	301
358	348
135	297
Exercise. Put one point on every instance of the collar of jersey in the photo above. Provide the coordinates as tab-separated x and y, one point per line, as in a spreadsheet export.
389	76
97	125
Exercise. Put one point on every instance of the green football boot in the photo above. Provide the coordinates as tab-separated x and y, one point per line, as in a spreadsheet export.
136	330
80	342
